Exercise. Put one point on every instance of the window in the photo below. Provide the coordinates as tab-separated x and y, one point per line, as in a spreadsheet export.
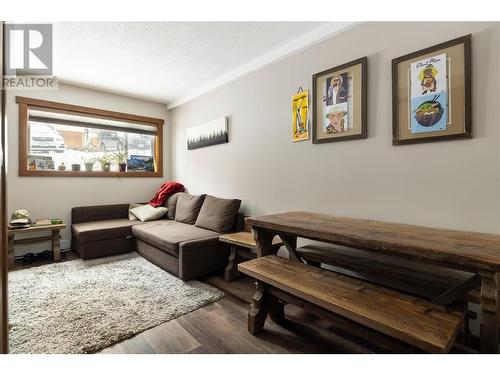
57	139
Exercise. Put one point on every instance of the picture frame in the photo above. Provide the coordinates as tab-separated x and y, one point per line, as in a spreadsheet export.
431	93
340	102
300	116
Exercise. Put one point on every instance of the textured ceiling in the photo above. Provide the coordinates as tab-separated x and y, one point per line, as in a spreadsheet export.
171	62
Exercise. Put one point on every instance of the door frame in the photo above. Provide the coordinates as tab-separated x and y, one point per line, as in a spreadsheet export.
4	327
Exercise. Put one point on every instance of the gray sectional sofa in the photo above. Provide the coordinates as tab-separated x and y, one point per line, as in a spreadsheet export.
185	242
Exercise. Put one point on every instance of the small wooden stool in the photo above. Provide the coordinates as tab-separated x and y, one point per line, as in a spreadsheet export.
242	246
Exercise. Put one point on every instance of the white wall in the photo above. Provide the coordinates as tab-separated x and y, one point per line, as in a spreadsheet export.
451	184
55	196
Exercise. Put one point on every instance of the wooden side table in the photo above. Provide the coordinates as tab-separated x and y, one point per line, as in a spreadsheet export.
54	237
242	246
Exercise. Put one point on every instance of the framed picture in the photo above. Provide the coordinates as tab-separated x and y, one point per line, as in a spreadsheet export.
431	93
339	102
208	134
300	108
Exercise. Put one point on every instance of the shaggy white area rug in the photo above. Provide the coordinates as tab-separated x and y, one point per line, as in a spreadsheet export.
84	306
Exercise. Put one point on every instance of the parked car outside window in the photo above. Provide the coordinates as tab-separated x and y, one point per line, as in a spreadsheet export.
45	139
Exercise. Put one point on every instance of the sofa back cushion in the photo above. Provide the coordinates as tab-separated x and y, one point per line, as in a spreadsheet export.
188	207
96	213
218	214
171	204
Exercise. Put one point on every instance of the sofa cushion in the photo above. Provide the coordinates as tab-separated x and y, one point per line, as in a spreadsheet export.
147	212
131	216
218	214
171	204
167	234
103	229
188	207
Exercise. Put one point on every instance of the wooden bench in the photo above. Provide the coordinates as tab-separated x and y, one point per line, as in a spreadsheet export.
437	284
416	322
243	246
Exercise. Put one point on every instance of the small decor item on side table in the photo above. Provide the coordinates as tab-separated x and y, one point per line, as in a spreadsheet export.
339	102
62	167
431	93
20	219
300	113
42	222
75	167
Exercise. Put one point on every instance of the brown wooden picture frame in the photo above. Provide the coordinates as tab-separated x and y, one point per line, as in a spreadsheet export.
360	98
465	93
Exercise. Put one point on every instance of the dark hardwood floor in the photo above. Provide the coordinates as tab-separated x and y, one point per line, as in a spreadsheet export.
221	327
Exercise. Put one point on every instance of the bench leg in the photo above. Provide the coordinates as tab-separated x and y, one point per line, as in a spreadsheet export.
490	306
276	309
258	309
231	271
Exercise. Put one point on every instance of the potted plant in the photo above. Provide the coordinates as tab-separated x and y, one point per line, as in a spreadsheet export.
89	163
105	161
121	159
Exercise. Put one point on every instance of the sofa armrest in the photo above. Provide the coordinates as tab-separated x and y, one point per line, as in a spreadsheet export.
201	257
201	243
97	213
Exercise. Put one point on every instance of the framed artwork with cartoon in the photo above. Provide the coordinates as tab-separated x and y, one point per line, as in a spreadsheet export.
339	102
431	93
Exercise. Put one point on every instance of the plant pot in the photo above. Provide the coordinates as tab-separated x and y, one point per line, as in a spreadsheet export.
122	167
89	167
106	167
75	167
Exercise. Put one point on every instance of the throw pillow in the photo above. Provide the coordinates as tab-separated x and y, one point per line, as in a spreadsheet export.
147	212
218	214
188	207
171	204
131	216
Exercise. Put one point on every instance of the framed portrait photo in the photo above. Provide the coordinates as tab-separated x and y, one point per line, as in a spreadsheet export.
431	93
339	102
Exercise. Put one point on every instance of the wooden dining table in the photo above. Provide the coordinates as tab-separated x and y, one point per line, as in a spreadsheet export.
474	252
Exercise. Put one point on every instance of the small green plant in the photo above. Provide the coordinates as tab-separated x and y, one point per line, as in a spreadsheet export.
105	160
121	157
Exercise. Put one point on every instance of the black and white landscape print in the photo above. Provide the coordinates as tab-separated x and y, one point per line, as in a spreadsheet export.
207	134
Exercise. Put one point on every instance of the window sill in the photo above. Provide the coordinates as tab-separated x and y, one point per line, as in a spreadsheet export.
87	174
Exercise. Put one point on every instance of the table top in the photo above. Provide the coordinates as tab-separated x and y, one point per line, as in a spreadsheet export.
245	239
471	251
36	228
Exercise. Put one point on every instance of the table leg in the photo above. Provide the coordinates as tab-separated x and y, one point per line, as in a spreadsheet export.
10	252
264	241
258	309
231	271
56	245
291	245
490	309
